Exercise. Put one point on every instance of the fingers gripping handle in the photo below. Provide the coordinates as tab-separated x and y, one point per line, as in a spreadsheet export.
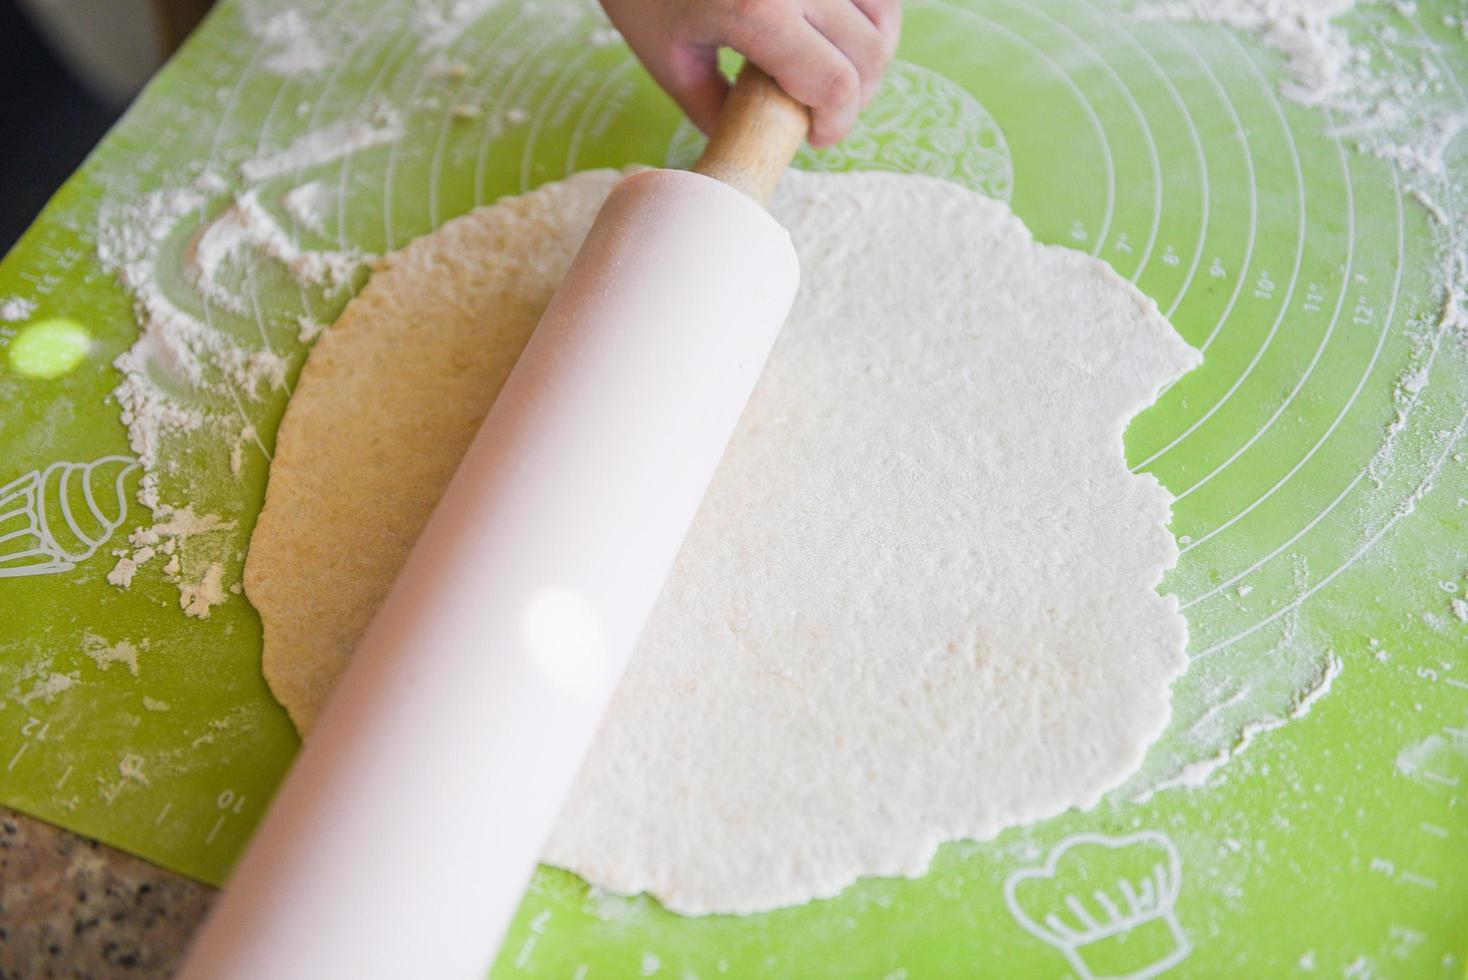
758	132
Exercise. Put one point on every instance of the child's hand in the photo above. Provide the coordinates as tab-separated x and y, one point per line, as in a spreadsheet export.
828	54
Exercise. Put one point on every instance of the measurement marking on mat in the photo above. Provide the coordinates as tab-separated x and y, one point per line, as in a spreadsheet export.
1453	681
1449	781
158	820
18	753
1435	830
64	777
537	927
214	830
1404	940
1408	878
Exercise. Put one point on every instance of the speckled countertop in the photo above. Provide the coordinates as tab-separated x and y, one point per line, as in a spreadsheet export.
70	907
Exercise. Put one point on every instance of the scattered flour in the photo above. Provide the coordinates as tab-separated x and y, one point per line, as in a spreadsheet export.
105	654
197	598
153	704
245	229
172	344
189	373
604	37
1318	52
295	48
127	566
181	523
1197	774
307	205
308	328
1433	759
246	436
13	309
439	23
330	142
166	536
48	687
130	768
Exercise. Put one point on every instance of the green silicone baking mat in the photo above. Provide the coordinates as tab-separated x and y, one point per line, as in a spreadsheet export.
1305	810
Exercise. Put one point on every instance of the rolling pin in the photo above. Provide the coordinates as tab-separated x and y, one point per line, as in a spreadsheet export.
401	841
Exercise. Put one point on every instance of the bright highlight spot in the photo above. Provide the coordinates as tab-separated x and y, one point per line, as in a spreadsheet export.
49	348
563	634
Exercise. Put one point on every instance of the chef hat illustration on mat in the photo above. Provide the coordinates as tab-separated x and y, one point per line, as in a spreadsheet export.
1106	903
53	518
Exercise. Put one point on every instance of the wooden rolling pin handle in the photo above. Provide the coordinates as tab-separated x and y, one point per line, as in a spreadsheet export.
759	129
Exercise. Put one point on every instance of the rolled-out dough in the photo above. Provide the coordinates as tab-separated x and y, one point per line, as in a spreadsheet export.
919	601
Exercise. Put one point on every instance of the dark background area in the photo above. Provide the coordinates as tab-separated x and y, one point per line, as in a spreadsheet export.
48	124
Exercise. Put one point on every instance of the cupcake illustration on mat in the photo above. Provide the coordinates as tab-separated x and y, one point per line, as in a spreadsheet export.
1106	903
53	518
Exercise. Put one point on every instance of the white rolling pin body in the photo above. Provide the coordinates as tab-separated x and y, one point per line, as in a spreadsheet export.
402	839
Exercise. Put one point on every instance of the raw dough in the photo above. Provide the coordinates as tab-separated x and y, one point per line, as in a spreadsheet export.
919	602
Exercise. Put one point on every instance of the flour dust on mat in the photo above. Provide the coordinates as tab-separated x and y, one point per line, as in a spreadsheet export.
920	601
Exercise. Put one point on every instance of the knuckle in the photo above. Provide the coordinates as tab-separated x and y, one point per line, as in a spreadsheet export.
752	18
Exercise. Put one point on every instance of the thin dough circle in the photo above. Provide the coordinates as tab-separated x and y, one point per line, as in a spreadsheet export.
919	602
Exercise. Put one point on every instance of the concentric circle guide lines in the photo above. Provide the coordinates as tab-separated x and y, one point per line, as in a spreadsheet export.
1284	306
1412	403
588	112
1365	470
1335	317
203	214
519	78
397	149
1423	485
436	166
479	90
1350	401
1081	100
1251	183
385	71
251	281
313	120
1200	158
548	104
1142	123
